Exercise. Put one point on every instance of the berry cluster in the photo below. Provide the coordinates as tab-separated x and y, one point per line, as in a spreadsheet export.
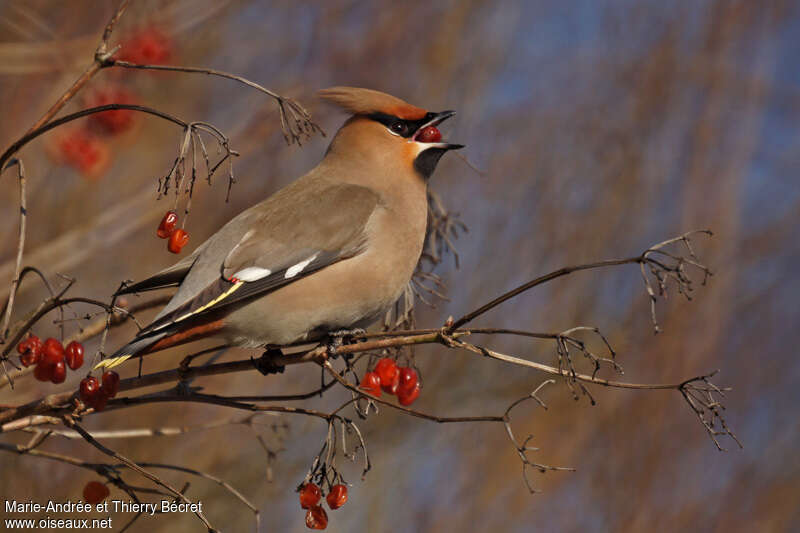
178	238
429	134
86	148
94	492
400	380
50	358
310	495
96	395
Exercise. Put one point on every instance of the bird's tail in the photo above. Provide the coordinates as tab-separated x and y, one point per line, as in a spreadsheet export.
136	346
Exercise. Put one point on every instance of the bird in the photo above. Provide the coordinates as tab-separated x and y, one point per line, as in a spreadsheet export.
332	251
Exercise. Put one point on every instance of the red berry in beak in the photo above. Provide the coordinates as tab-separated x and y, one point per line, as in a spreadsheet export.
429	134
167	225
177	240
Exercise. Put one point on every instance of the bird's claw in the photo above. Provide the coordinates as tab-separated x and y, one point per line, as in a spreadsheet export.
266	363
342	336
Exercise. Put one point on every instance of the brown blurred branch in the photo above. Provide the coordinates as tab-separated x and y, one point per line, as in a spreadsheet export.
101	55
28	137
299	127
23	216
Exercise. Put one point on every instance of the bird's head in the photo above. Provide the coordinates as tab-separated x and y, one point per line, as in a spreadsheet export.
388	131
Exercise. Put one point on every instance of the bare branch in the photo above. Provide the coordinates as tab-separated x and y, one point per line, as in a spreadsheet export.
296	122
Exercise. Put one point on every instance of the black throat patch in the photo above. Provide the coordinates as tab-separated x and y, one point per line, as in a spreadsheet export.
426	161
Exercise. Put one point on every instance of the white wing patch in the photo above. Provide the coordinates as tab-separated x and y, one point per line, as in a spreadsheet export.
252	273
294	270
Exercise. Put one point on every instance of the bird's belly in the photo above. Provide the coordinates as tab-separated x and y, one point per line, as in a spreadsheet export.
350	294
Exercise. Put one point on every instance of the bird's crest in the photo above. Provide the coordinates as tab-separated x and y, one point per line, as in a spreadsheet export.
366	102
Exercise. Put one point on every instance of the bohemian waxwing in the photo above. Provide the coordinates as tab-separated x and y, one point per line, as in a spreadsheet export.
331	251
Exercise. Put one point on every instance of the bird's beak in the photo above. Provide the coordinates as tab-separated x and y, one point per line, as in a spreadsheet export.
435	121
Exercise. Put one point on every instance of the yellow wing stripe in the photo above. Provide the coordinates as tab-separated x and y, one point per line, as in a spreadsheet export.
111	362
213	302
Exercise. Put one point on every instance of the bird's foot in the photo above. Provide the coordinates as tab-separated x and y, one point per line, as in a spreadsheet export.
266	363
342	336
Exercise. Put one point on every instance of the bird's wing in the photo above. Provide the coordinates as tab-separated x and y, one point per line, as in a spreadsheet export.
169	277
291	235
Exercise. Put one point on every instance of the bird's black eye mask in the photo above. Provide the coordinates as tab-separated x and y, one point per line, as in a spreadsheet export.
398	126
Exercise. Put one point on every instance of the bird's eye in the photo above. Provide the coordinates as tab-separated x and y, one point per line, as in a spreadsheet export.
399	128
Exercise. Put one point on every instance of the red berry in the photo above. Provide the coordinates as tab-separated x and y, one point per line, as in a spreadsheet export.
52	351
408	380
88	389
371	383
52	355
177	240
110	383
30	350
29	358
391	388
429	134
167	225
316	518
114	121
95	492
32	343
59	372
407	398
388	372
100	401
74	355
337	496
43	371
149	47
309	495
89	155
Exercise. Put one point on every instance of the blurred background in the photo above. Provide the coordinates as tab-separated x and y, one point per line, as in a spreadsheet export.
600	127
